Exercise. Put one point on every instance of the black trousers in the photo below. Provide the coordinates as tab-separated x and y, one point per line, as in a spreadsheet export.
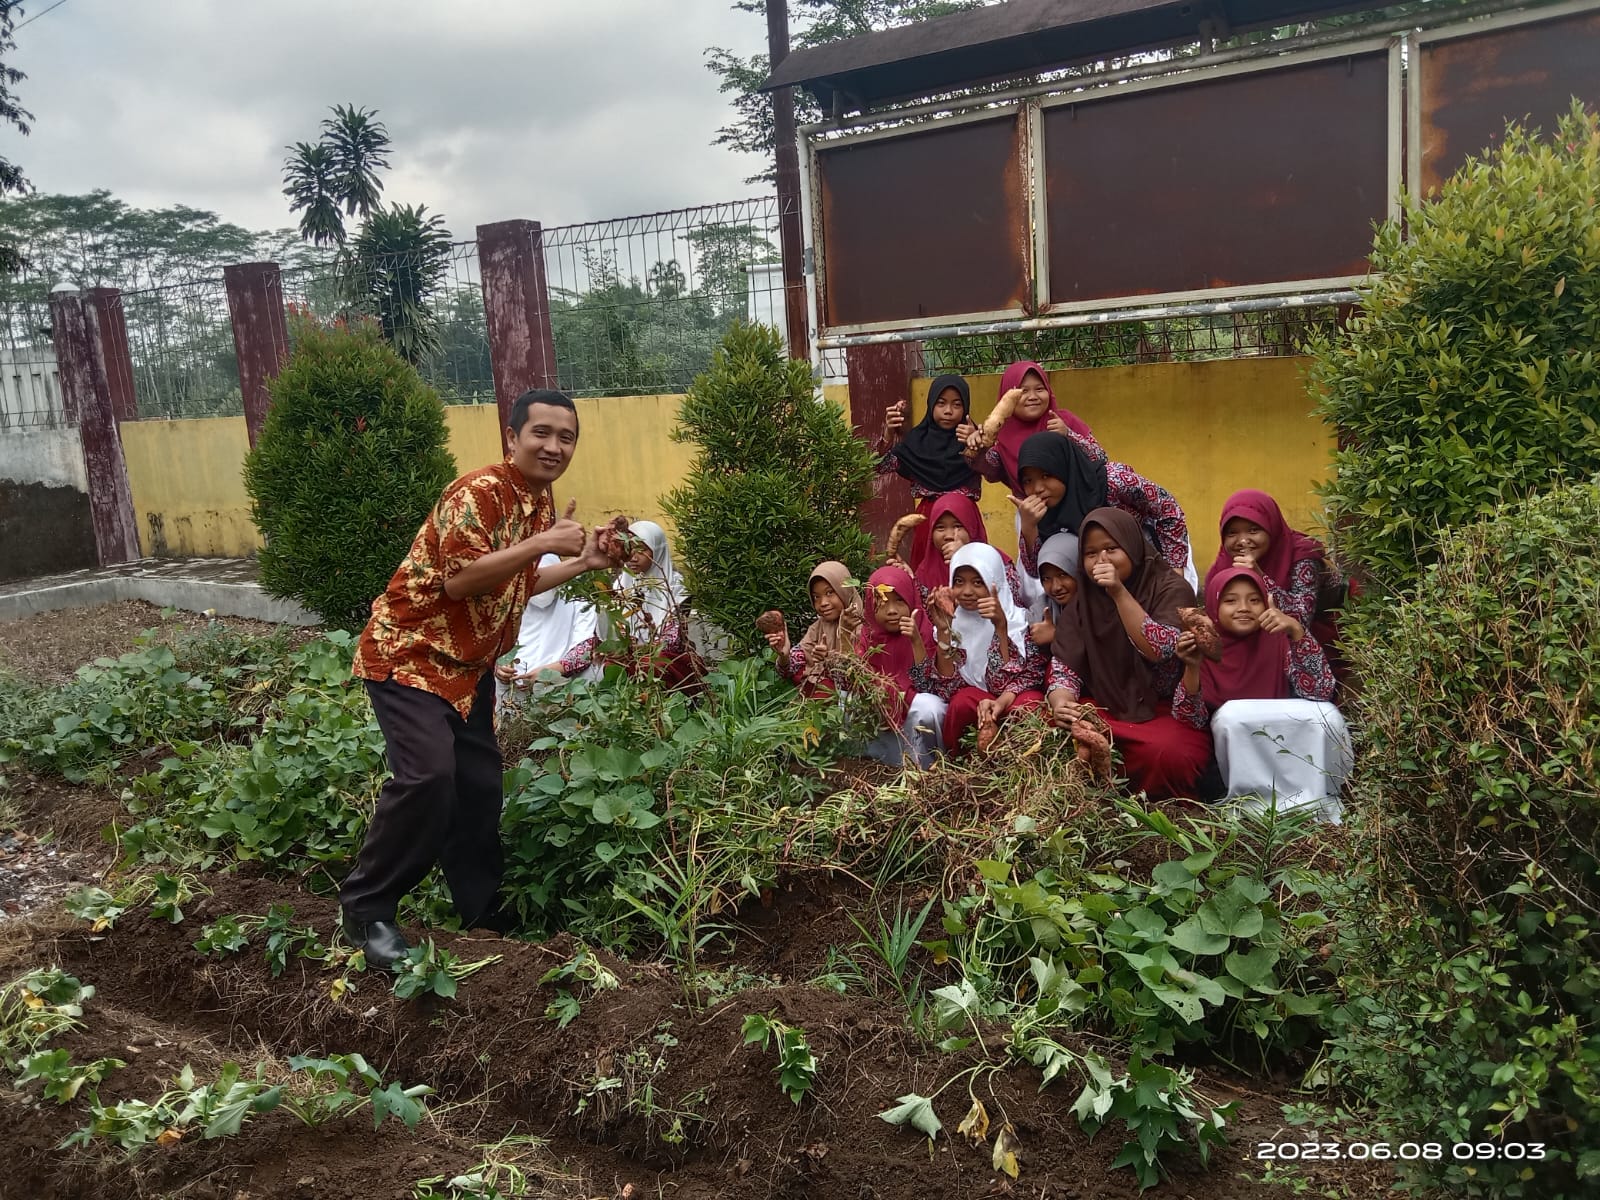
441	806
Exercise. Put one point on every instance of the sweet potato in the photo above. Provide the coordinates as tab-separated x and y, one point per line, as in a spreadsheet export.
770	621
1206	639
1001	414
617	542
902	527
1094	748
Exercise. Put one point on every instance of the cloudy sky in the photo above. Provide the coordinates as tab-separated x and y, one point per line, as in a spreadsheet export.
556	110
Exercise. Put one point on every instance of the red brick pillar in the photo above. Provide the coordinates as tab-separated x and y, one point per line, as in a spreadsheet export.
881	376
516	304
107	304
260	335
86	395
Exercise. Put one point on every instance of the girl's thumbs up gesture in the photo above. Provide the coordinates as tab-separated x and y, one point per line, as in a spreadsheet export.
990	608
1030	510
1275	620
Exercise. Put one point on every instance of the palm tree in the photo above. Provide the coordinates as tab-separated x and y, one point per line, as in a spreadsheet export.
310	180
360	147
391	267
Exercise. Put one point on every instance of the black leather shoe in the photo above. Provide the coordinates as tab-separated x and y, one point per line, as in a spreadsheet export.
382	941
497	920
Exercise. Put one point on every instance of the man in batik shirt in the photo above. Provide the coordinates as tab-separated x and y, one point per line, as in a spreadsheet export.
427	657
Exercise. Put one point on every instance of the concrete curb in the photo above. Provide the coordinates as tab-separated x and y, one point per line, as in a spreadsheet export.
191	595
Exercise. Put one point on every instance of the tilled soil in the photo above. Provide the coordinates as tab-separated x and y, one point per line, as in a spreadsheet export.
645	1093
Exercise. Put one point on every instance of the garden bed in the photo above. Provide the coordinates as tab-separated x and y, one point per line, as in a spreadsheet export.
649	1089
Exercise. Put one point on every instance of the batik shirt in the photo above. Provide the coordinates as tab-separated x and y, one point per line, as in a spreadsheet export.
420	637
1166	672
1020	673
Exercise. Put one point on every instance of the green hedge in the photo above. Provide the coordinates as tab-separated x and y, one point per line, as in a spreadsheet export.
1470	377
1473	952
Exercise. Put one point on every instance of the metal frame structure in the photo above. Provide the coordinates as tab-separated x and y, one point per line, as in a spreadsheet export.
811	186
1403	152
1280	62
1450	33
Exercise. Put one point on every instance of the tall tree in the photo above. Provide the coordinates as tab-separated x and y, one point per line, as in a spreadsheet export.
311	181
13	114
394	264
813	23
360	146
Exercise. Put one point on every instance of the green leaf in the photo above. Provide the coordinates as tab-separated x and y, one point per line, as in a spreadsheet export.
1193	937
915	1111
1231	914
1254	968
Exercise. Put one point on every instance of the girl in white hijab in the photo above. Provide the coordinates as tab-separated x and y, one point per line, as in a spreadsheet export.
658	616
552	627
998	670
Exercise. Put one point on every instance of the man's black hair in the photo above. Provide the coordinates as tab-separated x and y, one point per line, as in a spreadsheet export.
519	410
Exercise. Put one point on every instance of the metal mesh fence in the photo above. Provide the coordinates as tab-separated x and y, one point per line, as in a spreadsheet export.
180	339
429	305
1279	331
639	305
30	388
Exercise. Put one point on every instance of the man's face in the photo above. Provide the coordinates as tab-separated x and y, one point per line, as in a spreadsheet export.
543	447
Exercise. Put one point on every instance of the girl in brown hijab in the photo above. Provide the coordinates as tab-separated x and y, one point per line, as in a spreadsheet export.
1116	649
837	601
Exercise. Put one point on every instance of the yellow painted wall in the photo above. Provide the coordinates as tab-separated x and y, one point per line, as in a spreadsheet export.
187	485
1201	430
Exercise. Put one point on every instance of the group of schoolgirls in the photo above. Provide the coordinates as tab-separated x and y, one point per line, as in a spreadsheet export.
1097	621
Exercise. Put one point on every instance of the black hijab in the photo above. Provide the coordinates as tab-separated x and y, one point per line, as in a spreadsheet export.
1059	457
932	456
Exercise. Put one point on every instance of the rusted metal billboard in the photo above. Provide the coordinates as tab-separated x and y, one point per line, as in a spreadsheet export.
1470	81
925	225
1264	178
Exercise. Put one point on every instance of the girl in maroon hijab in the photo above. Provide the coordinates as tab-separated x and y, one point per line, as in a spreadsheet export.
953	522
1266	704
1116	649
1036	412
896	643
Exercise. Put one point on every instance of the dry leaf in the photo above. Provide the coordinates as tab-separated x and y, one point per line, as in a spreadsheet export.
975	1125
1007	1151
169	1137
1561	286
336	989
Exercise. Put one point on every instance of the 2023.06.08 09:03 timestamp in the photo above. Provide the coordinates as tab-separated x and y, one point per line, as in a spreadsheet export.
1401	1151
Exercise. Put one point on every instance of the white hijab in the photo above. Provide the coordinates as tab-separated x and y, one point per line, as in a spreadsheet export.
660	589
551	626
976	632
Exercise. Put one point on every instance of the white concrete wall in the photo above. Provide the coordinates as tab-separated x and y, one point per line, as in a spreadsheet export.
51	456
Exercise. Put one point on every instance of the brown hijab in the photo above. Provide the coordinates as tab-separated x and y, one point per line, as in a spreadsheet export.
1090	638
826	637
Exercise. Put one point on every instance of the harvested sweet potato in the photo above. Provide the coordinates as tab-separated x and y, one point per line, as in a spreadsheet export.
902	527
988	730
617	542
770	621
1003	409
1094	748
1206	639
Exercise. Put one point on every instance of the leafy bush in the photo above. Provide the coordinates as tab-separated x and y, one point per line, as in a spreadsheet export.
1470	956
777	485
1471	376
627	770
351	460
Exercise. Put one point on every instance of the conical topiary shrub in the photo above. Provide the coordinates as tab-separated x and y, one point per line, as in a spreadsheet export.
776	487
351	459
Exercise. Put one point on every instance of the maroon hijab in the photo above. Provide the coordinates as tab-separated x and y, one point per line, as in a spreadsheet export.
932	570
892	655
1288	547
1090	638
1253	667
1016	431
